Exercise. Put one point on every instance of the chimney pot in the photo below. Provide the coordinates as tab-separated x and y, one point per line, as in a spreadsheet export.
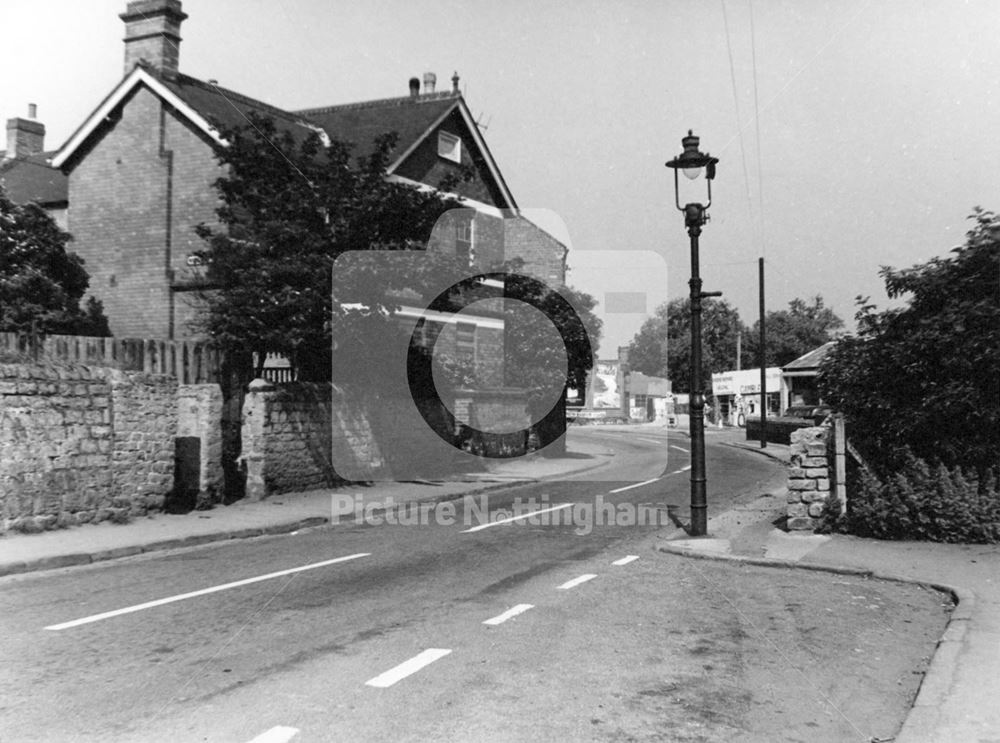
454	82
32	111
430	82
414	87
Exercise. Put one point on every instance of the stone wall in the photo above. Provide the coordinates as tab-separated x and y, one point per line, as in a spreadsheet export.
83	444
308	436
287	438
808	477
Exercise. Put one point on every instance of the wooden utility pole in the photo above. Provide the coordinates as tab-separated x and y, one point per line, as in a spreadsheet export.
763	358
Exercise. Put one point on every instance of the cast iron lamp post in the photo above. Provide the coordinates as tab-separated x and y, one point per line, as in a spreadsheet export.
693	163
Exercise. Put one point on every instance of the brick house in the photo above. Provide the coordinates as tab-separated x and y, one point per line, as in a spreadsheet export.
140	170
25	172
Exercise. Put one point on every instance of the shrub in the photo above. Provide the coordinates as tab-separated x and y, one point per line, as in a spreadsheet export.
925	502
925	376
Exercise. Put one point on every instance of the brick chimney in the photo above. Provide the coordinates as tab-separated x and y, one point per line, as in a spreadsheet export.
25	137
153	34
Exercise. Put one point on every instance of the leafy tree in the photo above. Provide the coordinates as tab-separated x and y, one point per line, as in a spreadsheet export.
289	209
662	347
535	355
925	378
41	283
273	281
791	333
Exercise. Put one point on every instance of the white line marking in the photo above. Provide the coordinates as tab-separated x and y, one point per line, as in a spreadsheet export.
501	618
634	485
406	668
280	734
202	592
516	518
652	441
576	581
680	448
682	469
626	560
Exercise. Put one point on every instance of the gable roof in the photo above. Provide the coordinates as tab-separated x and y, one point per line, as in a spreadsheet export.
207	106
810	360
360	123
227	109
211	108
413	118
33	179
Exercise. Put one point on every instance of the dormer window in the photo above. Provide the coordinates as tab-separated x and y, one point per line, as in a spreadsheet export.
449	146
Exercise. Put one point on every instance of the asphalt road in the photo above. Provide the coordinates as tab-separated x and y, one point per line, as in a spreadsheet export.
366	631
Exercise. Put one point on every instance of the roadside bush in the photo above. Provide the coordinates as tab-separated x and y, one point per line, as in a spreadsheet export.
925	376
923	502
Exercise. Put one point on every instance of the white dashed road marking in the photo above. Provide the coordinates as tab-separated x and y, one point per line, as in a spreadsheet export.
280	734
498	522
414	664
202	592
577	581
501	618
626	560
634	485
679	448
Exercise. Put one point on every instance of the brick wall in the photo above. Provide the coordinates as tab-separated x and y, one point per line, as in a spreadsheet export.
83	444
544	256
135	198
193	197
424	165
500	238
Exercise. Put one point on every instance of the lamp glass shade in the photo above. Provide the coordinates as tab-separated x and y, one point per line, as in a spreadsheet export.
692	173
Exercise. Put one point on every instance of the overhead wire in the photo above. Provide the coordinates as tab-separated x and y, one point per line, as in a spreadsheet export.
736	104
756	118
767	104
243	115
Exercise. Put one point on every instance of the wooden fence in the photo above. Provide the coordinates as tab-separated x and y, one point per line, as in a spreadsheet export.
191	362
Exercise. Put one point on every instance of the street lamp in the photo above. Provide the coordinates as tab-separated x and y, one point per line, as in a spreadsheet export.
693	163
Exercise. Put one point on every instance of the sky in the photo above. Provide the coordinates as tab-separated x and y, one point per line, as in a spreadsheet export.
852	134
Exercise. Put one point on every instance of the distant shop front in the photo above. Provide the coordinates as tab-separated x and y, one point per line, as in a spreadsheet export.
737	394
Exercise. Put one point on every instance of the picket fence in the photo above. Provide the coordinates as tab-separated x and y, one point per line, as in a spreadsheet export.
191	362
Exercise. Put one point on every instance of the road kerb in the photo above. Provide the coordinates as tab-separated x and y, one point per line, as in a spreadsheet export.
936	682
61	561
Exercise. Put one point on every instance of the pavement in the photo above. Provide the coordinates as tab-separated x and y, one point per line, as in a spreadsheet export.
276	514
957	700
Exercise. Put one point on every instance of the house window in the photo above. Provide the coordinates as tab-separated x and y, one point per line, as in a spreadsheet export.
426	333
450	146
465	341
464	244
